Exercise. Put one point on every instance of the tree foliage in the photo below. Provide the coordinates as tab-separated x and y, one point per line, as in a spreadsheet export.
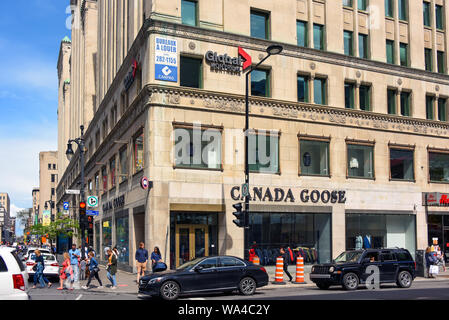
63	225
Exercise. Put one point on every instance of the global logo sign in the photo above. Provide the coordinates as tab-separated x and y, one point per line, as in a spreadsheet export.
233	65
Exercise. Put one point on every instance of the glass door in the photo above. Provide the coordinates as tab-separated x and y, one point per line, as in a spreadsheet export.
192	241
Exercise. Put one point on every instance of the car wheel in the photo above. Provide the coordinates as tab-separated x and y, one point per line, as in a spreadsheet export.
170	290
323	286
350	281
404	279
247	286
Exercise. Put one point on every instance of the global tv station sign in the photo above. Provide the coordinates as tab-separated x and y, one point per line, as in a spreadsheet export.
166	59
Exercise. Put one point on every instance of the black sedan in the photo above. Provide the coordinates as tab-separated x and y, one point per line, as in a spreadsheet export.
204	275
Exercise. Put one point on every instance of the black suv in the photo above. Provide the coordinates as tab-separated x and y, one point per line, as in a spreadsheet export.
349	269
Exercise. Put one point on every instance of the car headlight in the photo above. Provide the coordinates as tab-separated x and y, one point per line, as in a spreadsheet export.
331	269
155	280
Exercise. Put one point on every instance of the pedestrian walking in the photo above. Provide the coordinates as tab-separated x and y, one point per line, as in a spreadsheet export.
83	265
286	258
115	252
112	269
431	262
39	265
93	271
156	260
106	249
66	273
75	255
141	260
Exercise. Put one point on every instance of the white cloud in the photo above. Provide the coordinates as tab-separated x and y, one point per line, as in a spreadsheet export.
14	210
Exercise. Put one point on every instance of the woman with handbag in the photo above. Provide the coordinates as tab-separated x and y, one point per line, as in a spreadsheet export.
38	268
112	268
156	259
66	273
93	271
431	263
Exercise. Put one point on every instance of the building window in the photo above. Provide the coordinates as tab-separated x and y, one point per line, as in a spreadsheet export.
319	91
364	97
97	139
349	95
426	13
442	110
49	166
429	107
402	7
112	171
104	175
428	59
439	17
89	186
105	128
390	52
405	104
52	192
363	46
318	36
53	178
123	158
191	72
401	164
260	25
391	101
263	153
360	161
197	148
303	88
440	61
124	103
439	167
189	12
54	166
260	83
138	152
389	8
314	157
361	5
348	43
97	183
301	33
403	50
347	3
113	116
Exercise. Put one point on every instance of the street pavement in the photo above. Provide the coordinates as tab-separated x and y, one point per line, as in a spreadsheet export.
127	290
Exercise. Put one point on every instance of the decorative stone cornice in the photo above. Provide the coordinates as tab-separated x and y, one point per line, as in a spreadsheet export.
188	98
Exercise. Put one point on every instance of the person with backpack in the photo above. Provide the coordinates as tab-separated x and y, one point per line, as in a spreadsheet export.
93	271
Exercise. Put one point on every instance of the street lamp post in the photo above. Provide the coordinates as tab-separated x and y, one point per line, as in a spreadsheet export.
271	50
69	153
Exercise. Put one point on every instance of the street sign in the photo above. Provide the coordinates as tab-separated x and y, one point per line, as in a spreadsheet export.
92	201
144	183
66	206
92	213
68	191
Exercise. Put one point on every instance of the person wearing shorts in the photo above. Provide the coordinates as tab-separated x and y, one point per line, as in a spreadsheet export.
141	260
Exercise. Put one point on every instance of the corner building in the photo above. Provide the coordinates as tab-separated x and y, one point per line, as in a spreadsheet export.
355	106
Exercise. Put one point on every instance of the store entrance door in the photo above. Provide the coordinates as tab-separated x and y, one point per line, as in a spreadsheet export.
192	241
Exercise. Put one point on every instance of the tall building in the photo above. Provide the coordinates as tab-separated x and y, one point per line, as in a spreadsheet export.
5	217
48	181
349	132
35	208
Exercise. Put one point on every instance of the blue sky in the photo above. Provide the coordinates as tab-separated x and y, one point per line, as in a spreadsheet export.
30	35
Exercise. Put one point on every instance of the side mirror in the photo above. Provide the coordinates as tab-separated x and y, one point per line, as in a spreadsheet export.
198	268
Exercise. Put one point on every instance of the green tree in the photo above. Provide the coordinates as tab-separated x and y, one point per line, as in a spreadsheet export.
63	225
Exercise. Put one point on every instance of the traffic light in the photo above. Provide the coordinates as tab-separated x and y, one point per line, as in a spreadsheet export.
83	219
90	223
240	215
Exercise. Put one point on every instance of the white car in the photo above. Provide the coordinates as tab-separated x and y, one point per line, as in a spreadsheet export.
31	250
51	265
13	276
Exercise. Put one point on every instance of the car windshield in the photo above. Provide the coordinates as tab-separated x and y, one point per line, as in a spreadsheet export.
348	256
189	264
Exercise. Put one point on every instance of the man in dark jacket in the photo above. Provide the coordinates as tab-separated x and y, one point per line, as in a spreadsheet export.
286	258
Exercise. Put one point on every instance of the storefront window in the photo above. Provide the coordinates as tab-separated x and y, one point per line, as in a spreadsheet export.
439	167
138	153
198	148
112	171
263	153
306	234
314	157
401	164
360	161
107	236
380	231
122	239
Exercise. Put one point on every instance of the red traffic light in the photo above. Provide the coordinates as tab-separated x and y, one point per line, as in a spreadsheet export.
82	205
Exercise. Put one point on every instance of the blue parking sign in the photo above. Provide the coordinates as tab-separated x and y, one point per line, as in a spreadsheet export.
66	205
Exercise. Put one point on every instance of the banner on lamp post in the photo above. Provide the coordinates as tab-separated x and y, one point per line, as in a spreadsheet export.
46	218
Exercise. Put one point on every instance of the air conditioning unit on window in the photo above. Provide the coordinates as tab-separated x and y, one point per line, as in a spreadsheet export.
354	163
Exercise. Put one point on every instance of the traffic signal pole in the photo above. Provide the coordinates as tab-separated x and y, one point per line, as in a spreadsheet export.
82	195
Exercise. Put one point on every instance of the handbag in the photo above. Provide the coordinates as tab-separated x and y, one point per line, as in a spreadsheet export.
96	269
434	269
160	266
35	268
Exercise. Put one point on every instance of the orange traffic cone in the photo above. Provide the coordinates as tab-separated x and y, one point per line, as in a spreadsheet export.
279	275
299	271
256	260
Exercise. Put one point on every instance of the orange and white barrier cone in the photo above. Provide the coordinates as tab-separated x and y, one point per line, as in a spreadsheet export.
299	271
279	275
256	260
